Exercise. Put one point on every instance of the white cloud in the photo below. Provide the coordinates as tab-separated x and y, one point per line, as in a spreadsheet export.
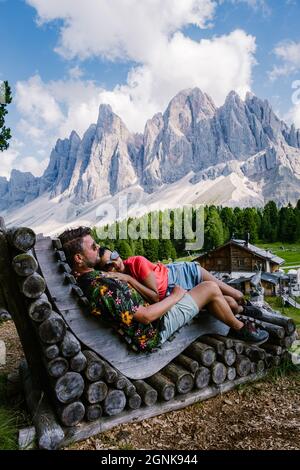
215	65
256	5
129	29
12	158
165	61
289	53
34	100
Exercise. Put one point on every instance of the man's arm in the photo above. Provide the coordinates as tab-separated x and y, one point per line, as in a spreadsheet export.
148	314
148	290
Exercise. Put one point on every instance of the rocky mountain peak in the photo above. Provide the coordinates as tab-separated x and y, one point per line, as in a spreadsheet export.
244	137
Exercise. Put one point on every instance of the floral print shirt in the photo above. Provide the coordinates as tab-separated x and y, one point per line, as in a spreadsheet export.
116	301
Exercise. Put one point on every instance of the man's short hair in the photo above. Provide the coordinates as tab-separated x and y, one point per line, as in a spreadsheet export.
71	240
72	233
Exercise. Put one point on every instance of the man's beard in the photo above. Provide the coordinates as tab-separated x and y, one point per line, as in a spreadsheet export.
91	264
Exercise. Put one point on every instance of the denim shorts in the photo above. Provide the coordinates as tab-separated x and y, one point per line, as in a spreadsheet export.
185	274
180	314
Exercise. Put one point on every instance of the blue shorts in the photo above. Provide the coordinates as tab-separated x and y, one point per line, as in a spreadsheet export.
185	274
180	314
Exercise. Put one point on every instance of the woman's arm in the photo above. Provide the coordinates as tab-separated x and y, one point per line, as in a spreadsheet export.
148	314
148	289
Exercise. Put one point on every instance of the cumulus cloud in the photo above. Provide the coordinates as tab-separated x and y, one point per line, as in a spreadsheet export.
215	65
163	61
111	30
289	54
12	158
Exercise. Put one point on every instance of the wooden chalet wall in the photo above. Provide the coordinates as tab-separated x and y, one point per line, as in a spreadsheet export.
234	258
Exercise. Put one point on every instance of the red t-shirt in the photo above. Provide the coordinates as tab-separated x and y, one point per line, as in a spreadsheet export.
140	267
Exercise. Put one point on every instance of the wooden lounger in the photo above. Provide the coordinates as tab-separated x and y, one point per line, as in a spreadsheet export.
96	335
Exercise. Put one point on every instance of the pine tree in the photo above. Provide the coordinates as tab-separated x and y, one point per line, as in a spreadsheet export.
123	248
138	247
151	249
165	250
214	235
5	99
270	222
250	225
227	217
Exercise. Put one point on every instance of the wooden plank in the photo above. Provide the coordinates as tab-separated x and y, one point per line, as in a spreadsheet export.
85	430
98	337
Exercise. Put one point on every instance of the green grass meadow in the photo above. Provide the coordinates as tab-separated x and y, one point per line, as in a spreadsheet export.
289	252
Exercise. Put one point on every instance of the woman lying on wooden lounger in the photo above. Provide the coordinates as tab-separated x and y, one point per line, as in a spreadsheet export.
155	281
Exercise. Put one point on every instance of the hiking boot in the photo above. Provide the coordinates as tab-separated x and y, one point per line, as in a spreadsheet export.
250	334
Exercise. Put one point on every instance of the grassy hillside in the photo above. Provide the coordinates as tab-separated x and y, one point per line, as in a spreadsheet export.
276	304
289	252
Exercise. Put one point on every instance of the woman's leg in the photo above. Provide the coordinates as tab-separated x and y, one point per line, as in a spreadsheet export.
209	294
235	307
226	290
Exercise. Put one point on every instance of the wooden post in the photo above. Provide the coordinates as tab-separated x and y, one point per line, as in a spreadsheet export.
218	345
201	352
93	412
21	238
164	387
134	401
70	345
202	377
33	286
72	413
53	329
148	393
69	387
228	357
24	264
49	432
187	363
242	365
287	323
231	373
218	373
94	368
95	392
40	310
114	402
183	380
78	362
57	367
15	305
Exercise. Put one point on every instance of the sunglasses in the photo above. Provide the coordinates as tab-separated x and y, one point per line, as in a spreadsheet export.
113	256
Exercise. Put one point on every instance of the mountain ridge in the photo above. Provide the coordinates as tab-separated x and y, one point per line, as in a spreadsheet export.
243	138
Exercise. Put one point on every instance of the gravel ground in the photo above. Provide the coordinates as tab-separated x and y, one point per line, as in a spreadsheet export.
264	415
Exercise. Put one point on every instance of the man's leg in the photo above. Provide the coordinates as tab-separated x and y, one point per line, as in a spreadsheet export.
205	294
209	294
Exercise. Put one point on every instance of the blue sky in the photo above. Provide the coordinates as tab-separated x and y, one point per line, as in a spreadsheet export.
64	57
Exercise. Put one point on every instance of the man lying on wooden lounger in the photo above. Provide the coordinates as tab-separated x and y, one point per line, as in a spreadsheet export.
147	325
